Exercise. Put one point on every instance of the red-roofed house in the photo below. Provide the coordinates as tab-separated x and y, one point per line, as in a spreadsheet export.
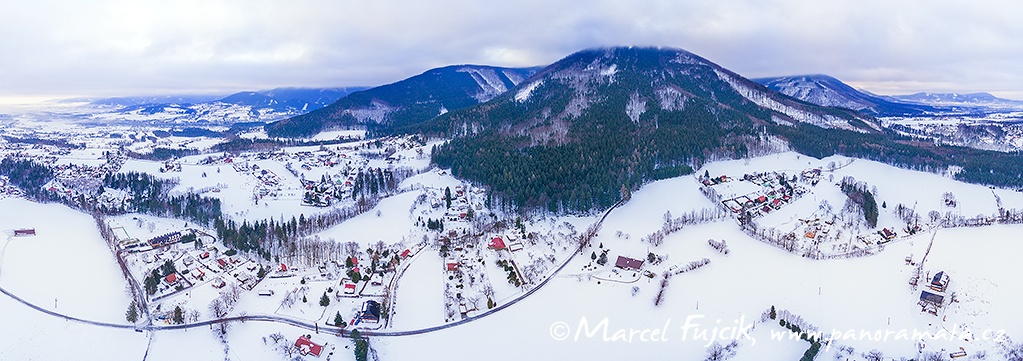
222	263
452	265
405	253
284	267
171	278
308	347
628	263
497	243
355	261
349	288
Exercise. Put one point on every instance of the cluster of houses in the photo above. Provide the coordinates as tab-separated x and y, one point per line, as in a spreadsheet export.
75	179
170	167
775	192
816	228
463	199
8	189
932	299
811	176
512	244
323	192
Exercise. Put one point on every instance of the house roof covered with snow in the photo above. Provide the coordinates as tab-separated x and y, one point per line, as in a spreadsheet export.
628	263
931	298
308	347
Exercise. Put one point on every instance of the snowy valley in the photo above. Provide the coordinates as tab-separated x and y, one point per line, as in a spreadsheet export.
426	261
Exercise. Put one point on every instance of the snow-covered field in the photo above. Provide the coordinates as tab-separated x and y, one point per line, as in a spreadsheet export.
65	267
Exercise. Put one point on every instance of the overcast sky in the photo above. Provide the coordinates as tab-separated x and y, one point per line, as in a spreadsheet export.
63	48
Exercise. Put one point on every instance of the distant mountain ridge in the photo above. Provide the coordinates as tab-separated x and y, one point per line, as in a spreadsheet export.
979	100
242	107
828	91
408	101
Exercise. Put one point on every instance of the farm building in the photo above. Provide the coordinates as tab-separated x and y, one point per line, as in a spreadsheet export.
930	302
24	232
165	239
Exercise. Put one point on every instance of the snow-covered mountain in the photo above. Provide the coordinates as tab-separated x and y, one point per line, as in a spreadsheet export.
827	91
574	134
639	83
971	100
250	106
409	101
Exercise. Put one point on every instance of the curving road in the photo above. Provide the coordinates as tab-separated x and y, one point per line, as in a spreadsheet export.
306	325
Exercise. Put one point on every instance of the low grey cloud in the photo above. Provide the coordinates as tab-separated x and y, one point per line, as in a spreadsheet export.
126	47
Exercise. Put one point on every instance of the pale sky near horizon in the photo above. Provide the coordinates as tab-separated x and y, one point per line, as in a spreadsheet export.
97	48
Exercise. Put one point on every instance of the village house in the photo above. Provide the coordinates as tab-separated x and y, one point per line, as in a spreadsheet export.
306	346
496	244
887	234
198	274
628	263
940	282
370	311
